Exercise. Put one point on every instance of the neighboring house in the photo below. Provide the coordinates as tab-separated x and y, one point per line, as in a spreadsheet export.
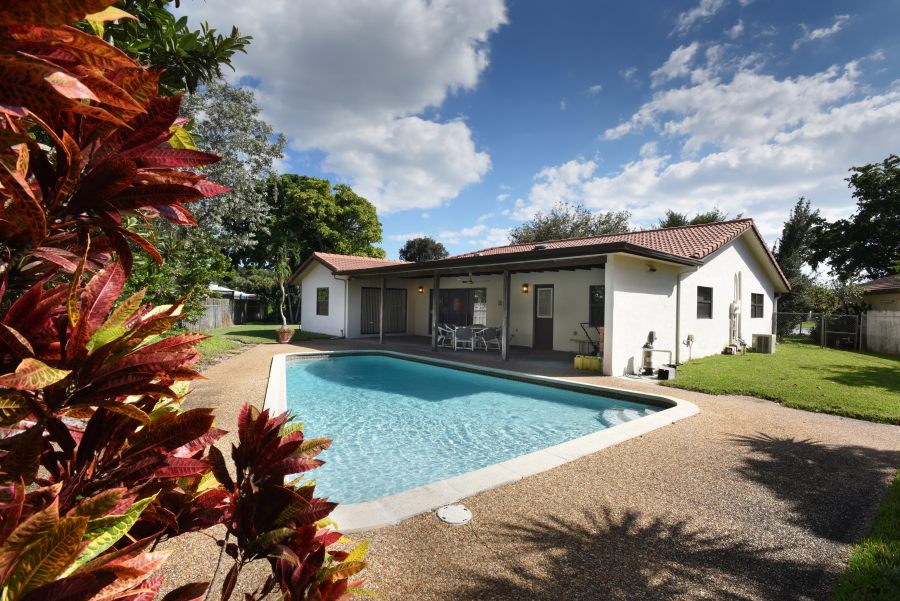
675	282
881	326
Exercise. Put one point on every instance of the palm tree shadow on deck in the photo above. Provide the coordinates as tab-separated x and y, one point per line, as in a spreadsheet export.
605	555
831	489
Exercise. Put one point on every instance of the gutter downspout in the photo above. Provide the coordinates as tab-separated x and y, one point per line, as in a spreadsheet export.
678	279
346	280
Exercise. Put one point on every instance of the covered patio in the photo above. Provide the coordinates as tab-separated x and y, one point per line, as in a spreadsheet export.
414	302
519	358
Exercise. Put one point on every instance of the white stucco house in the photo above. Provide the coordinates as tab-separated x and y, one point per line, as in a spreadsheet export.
714	282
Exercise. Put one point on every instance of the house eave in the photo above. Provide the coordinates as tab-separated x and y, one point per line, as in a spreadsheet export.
517	260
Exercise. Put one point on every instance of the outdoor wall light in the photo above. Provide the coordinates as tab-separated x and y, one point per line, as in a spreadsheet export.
524	288
421	289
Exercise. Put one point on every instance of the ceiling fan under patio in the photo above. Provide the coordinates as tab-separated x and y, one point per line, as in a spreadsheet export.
468	280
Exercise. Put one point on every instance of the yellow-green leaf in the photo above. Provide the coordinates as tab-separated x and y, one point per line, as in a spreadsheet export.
355	590
13	408
291	428
345	570
181	138
359	552
267	539
104	532
97	27
45	559
72	298
126	409
33	374
114	326
30	530
110	13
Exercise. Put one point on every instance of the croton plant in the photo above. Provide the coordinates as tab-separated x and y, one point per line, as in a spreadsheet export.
98	461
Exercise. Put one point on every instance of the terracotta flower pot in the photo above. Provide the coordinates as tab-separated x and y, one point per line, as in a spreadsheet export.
284	335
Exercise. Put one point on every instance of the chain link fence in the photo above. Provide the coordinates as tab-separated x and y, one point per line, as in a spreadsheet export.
841	331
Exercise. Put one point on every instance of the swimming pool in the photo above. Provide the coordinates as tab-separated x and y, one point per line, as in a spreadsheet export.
413	433
398	424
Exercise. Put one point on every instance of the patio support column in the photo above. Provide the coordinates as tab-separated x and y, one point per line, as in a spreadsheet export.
381	313
435	306
504	338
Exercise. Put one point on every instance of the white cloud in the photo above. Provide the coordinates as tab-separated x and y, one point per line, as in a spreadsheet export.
479	235
677	65
503	196
352	78
771	141
562	183
629	73
702	12
405	237
562	104
595	89
822	32
751	108
736	30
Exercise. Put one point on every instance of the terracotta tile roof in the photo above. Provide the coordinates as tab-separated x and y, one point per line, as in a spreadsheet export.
343	262
690	241
889	283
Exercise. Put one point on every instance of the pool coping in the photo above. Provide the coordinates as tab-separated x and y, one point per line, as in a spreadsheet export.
393	509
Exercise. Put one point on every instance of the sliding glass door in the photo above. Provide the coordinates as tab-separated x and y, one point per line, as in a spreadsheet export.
461	307
394	310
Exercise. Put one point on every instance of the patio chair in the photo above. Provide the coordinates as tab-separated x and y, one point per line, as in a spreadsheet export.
488	338
445	336
464	338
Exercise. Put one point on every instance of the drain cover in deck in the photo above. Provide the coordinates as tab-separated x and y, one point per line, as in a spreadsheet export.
455	514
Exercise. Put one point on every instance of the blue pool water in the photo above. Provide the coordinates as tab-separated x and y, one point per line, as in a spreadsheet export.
398	424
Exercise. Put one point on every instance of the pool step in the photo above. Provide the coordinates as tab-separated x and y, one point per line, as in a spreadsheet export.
614	417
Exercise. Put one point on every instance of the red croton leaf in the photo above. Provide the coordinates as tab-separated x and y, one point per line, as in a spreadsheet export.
150	127
75	45
174	157
103	182
100	294
49	12
154	195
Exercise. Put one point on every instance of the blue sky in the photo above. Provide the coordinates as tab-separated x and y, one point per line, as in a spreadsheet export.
462	119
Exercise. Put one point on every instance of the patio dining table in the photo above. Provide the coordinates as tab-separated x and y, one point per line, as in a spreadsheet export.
477	330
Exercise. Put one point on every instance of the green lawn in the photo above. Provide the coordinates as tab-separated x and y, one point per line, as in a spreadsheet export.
224	340
873	572
804	376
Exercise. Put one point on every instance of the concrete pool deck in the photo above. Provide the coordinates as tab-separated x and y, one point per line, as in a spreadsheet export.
747	500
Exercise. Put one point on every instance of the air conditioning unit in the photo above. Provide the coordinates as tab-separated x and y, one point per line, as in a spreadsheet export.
764	343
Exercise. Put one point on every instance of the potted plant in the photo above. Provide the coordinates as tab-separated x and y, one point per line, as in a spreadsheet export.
284	333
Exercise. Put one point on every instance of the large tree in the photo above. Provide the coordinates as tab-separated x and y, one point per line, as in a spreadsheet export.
566	220
305	215
185	57
676	219
867	245
793	251
309	214
226	121
423	249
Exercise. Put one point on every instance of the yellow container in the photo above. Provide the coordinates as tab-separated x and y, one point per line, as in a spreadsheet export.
579	361
592	363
